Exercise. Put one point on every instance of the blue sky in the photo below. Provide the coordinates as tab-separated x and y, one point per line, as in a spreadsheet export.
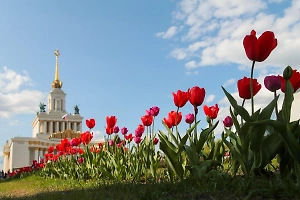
123	57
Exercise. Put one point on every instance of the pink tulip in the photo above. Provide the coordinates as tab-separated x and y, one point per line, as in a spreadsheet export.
116	129
111	143
80	160
137	140
148	113
155	141
272	83
124	130
189	118
228	122
154	111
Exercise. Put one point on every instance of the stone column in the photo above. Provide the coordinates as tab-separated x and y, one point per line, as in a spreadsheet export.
41	154
80	127
36	153
51	128
45	127
39	126
75	126
6	162
57	127
69	125
63	126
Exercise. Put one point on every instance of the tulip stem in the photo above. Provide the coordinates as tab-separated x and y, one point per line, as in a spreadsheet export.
242	122
152	128
176	119
251	87
276	106
195	130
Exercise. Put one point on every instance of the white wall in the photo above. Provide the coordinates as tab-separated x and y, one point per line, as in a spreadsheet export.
20	154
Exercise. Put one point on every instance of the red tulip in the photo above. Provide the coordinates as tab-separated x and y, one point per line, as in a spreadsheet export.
259	49
168	122
212	111
50	149
174	118
111	121
180	98
147	120
86	137
295	81
244	87
128	137
109	130
196	96
90	123
139	130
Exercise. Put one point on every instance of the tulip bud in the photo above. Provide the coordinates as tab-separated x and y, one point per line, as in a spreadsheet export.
287	73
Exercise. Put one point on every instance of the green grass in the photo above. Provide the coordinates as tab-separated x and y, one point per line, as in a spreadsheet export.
214	185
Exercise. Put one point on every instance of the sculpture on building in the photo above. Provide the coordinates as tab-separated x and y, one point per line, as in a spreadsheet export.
42	107
76	109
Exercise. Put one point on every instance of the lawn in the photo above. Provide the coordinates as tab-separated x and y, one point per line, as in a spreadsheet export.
214	185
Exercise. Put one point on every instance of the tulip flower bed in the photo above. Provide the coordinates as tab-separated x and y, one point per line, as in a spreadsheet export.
256	146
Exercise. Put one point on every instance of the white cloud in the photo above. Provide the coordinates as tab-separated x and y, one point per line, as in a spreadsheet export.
191	73
229	82
215	31
179	53
276	1
14	100
191	65
169	33
210	98
98	135
11	81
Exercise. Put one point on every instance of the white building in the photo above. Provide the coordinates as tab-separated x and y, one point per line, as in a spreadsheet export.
48	128
296	107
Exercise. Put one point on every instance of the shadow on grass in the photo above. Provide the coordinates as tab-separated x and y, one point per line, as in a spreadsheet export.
125	191
211	186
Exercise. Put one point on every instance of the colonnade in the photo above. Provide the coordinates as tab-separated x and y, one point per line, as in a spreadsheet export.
50	127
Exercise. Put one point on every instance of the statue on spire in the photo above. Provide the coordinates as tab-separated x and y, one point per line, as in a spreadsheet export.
56	83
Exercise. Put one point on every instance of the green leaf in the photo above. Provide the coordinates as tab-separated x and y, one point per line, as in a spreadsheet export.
288	138
235	121
164	138
192	155
203	137
288	100
259	130
271	145
239	109
237	156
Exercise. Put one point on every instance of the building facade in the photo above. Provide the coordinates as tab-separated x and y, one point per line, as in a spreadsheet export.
48	128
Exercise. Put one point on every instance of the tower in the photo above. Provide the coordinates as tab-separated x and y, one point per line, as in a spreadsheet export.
56	119
57	97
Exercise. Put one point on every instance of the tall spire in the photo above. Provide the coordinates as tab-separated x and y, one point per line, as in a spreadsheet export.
56	83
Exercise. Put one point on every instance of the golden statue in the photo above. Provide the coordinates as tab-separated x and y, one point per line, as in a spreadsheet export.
65	134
